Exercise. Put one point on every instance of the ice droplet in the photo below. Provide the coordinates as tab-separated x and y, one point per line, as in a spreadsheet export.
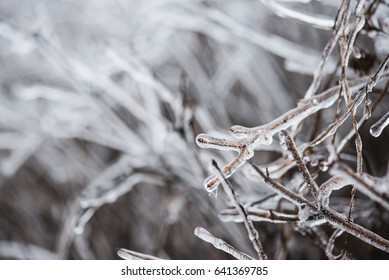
379	126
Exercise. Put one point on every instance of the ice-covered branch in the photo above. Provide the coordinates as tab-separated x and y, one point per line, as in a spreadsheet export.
332	217
220	244
317	21
258	215
252	232
367	188
284	136
247	139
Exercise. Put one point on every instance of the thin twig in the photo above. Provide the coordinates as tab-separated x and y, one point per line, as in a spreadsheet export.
317	76
300	163
252	232
258	215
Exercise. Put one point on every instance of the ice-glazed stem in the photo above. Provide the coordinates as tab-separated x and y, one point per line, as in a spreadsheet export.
221	244
358	231
364	187
325	190
331	244
282	191
300	163
258	215
252	232
318	74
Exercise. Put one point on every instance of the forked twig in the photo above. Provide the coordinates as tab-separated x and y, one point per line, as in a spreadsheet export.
335	219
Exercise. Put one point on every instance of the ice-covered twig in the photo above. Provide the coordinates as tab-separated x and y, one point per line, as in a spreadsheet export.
252	232
331	244
318	74
363	186
132	255
358	25
366	115
335	219
258	215
325	190
299	162
377	128
375	78
221	244
317	21
294	198
331	129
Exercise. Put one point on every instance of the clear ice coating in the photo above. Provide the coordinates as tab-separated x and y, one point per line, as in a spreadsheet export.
378	127
325	190
220	244
249	138
132	255
211	184
303	213
84	218
203	234
205	141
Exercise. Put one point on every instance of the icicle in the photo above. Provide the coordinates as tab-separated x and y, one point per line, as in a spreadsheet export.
379	126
